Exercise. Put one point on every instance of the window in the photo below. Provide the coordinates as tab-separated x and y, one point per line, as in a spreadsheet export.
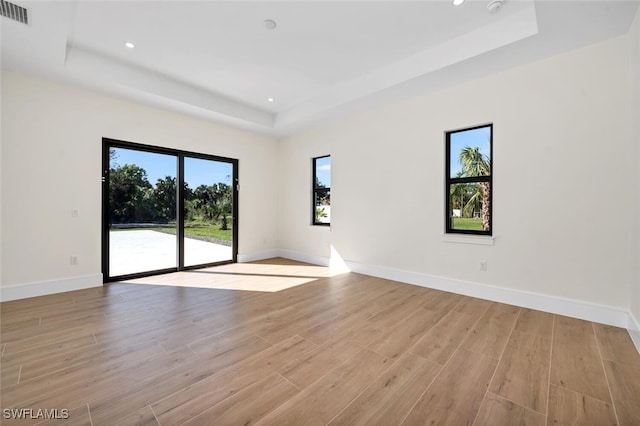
468	186
166	210
321	197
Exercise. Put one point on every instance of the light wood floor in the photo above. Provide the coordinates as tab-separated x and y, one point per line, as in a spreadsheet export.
347	349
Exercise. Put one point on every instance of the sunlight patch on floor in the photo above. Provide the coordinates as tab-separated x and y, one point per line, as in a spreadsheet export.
265	277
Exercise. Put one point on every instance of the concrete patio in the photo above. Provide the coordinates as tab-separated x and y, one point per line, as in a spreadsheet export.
146	250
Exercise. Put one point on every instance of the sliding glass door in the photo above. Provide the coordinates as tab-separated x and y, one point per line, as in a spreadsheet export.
208	219
166	210
142	211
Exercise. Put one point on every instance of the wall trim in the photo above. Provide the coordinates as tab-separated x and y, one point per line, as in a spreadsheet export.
557	305
260	255
553	304
43	288
288	254
602	314
304	257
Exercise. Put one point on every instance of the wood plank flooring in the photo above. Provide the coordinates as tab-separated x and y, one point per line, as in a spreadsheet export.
310	349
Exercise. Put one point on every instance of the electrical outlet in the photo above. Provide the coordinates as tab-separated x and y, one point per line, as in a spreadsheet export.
74	213
483	266
73	260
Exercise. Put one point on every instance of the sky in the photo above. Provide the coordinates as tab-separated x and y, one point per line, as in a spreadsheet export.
477	137
196	171
323	171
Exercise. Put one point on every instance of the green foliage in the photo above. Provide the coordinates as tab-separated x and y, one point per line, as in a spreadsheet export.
475	164
212	201
164	197
132	199
321	214
466	198
467	223
211	230
129	194
200	229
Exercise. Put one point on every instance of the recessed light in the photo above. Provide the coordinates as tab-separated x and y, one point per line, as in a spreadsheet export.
457	2
271	99
270	24
129	45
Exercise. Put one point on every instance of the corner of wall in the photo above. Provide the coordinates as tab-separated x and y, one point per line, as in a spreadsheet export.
279	191
634	330
634	54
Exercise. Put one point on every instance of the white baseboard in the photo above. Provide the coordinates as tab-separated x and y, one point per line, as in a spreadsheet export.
304	257
261	255
557	305
573	308
288	254
602	314
42	288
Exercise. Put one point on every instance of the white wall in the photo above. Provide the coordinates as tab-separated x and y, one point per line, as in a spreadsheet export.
634	36
562	168
564	130
51	161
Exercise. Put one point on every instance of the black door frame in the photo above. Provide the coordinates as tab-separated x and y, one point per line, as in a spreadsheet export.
180	155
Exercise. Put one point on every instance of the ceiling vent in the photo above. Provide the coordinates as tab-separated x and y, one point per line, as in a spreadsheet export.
15	12
495	5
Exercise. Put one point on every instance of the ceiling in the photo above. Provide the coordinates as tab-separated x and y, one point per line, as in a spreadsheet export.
324	60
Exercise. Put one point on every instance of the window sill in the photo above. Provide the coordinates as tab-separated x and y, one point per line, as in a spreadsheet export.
484	240
326	228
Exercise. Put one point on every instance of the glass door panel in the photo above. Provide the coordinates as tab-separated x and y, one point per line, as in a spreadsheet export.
142	211
208	211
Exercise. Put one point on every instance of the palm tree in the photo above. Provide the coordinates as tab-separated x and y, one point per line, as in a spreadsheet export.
459	191
475	164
